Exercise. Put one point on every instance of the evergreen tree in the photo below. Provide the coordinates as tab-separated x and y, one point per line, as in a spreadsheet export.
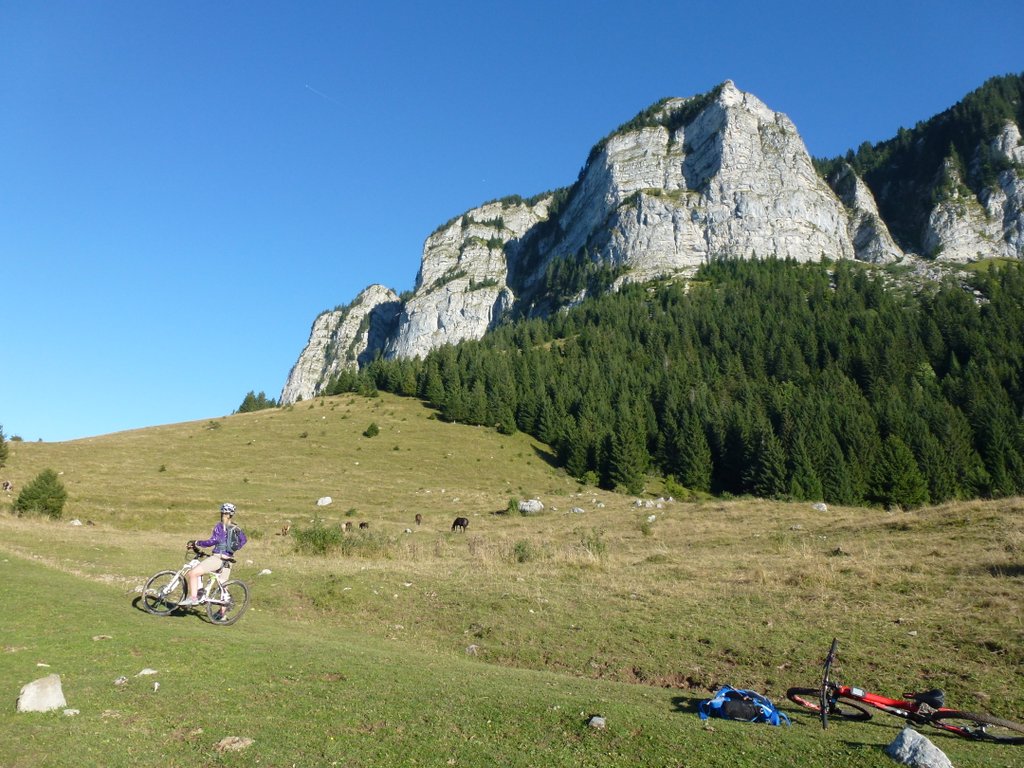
768	465
693	456
4	448
896	478
836	484
253	402
45	495
432	387
804	482
627	458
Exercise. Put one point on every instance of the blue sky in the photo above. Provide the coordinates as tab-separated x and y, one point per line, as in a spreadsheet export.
185	186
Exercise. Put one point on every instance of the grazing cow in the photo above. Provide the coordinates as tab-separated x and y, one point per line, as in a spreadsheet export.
346	526
9	486
419	518
364	525
460	524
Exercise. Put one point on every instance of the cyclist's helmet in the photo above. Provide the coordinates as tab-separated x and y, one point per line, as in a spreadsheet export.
227	509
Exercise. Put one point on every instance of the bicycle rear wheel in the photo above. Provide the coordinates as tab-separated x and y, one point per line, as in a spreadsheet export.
980	727
227	602
843	709
163	592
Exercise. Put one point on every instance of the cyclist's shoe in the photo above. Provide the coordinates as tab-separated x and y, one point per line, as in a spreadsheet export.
188	601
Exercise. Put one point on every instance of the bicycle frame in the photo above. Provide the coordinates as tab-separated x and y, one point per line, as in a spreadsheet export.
165	591
204	590
909	709
848	702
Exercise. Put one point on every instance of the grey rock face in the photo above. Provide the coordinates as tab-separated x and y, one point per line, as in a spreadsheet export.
871	239
462	286
735	181
342	339
963	227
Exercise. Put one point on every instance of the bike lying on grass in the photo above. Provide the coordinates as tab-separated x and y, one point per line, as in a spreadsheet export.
225	602
844	702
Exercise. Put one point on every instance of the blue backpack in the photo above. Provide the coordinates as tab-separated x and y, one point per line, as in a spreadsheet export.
734	704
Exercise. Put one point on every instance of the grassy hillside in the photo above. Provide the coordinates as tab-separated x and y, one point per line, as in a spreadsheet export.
415	645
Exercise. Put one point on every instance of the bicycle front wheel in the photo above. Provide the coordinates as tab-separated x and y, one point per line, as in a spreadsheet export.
163	592
843	709
227	602
980	727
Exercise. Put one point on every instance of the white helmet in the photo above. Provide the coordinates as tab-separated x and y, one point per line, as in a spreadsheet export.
227	509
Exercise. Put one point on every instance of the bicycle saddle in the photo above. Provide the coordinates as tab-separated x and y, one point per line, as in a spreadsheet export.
934	698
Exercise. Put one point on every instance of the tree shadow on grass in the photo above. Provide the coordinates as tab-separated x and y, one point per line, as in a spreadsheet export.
1004	570
546	456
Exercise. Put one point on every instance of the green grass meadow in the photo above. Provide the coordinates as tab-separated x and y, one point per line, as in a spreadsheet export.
413	645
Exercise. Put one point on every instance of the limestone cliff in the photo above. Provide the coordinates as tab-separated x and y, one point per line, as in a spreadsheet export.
718	175
964	226
342	339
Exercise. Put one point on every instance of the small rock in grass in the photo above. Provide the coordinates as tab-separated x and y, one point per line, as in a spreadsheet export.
233	743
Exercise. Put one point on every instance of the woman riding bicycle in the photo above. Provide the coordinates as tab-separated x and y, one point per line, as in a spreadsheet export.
226	539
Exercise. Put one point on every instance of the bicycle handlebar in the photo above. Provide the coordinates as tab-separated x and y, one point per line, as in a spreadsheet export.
191	547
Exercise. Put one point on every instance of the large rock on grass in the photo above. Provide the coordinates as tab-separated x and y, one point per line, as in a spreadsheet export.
42	695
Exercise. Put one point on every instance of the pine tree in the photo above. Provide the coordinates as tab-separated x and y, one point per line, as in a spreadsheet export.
693	456
804	482
4	448
896	478
836	484
627	459
768	465
45	495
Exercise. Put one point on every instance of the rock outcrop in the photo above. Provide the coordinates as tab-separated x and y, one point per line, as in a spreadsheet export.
871	239
965	227
718	175
342	339
462	287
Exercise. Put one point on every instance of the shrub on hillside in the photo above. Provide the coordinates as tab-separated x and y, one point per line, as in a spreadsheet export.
523	551
45	495
372	431
3	447
318	539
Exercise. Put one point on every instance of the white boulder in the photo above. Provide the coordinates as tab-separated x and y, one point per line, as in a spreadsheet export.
42	695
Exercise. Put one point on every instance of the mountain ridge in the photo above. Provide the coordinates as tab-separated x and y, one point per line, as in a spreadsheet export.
685	182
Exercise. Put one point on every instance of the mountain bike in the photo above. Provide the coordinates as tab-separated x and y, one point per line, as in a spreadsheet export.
225	601
844	702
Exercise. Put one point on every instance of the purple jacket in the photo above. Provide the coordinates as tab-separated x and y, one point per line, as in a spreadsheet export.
225	541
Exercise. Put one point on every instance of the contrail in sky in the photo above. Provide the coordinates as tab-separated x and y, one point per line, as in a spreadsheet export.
321	94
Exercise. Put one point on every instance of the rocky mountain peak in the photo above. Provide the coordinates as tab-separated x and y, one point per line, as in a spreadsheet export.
717	175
